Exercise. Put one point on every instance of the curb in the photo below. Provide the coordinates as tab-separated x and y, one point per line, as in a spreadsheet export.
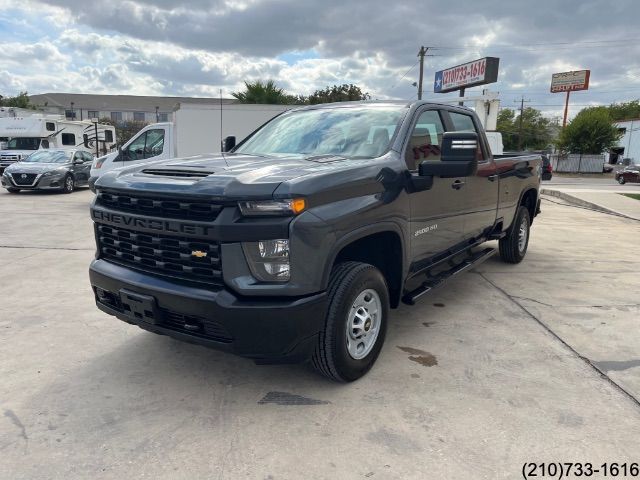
583	203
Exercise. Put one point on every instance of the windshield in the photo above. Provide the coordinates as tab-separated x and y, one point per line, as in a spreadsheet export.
352	132
49	156
23	143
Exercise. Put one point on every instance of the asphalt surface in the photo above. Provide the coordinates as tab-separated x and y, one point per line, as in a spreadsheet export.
507	364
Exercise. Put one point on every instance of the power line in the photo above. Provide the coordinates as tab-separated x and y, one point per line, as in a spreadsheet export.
405	74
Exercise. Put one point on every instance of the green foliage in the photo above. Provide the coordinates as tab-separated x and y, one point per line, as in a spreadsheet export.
264	92
124	130
591	131
625	110
19	101
337	93
537	131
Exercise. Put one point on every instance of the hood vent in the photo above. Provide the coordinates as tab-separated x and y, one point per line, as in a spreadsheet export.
177	173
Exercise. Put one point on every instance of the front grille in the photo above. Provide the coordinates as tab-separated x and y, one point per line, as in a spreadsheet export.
165	255
165	172
160	207
26	179
195	325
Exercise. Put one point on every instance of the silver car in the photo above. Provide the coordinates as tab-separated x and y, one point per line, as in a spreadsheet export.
60	170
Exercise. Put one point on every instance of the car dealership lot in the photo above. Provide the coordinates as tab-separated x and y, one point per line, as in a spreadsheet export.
502	366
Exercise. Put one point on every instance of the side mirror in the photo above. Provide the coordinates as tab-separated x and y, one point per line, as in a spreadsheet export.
228	143
458	157
78	161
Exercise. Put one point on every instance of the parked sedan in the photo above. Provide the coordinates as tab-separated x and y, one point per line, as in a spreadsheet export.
61	170
629	174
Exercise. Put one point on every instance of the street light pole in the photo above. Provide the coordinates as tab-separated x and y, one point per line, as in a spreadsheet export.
95	126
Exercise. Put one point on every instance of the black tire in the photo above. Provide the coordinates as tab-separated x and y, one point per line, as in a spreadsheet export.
512	250
621	180
348	281
69	184
13	190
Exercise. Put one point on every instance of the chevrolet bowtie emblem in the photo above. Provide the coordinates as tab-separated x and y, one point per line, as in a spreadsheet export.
198	254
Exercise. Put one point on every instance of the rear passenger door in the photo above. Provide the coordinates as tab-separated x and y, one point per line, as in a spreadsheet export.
436	221
479	192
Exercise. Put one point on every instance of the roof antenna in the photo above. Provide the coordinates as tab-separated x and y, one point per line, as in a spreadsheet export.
221	139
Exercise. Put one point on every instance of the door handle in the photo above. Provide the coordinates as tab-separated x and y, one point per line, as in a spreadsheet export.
492	178
457	185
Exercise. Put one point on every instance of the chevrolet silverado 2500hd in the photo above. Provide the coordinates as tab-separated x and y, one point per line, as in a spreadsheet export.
296	243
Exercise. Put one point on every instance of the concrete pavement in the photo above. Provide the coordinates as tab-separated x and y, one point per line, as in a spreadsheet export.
507	364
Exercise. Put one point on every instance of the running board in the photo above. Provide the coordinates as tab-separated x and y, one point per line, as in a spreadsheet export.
436	281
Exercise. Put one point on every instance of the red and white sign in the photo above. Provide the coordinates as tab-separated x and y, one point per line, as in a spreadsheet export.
478	72
570	81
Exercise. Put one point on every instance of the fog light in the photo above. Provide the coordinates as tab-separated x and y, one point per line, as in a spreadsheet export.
268	259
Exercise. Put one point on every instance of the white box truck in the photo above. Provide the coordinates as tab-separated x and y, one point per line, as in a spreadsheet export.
195	129
26	134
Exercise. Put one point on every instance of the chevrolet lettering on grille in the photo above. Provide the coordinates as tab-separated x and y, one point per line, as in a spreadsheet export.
150	224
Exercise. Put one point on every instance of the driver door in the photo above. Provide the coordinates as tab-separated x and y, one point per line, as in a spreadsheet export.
436	213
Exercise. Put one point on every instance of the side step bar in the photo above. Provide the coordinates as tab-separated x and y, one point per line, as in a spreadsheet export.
431	283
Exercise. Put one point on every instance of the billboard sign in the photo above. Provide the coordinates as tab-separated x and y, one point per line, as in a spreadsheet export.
570	81
478	72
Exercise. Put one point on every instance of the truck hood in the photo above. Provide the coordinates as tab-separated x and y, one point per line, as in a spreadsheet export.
227	176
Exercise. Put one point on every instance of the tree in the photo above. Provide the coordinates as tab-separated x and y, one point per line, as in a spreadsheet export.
19	101
625	110
337	93
124	130
537	131
264	92
591	131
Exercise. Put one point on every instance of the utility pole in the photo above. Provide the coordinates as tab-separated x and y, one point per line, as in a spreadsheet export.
566	110
522	102
422	53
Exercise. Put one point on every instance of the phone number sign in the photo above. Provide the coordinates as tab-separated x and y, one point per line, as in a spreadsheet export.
570	81
478	72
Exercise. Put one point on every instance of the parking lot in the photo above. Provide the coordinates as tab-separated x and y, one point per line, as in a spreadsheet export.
507	364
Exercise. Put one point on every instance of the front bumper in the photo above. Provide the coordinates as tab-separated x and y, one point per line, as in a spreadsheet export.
41	183
266	329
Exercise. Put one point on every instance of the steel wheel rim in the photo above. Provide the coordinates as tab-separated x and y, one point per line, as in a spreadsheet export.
363	324
522	235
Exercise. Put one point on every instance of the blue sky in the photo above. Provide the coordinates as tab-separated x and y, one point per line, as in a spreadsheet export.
161	47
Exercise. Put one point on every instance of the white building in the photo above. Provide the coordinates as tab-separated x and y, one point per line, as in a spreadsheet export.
629	143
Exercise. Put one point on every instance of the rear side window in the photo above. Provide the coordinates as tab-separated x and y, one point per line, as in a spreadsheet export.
68	139
426	139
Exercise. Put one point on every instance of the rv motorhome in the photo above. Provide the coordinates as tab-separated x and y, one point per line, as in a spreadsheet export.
27	134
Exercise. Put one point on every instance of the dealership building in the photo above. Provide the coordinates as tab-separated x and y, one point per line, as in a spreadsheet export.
118	108
629	143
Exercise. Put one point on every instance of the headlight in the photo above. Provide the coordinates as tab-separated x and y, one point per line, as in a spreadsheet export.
268	259
260	208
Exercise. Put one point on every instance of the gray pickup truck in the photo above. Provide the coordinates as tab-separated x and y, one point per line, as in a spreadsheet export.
295	244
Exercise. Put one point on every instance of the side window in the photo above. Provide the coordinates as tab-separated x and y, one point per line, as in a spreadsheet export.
45	144
108	136
78	156
425	140
464	123
51	127
86	157
147	145
68	139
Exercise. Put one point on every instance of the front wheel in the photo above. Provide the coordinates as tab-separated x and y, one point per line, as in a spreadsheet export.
356	322
69	184
621	180
514	246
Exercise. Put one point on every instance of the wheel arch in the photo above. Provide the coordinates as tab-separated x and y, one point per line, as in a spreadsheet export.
380	245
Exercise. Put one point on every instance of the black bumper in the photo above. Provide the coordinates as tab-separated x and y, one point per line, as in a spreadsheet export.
266	330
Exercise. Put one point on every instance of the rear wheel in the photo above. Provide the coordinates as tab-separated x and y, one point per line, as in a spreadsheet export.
69	184
13	190
514	246
621	180
356	322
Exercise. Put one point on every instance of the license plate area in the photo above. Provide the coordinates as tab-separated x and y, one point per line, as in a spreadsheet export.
139	307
